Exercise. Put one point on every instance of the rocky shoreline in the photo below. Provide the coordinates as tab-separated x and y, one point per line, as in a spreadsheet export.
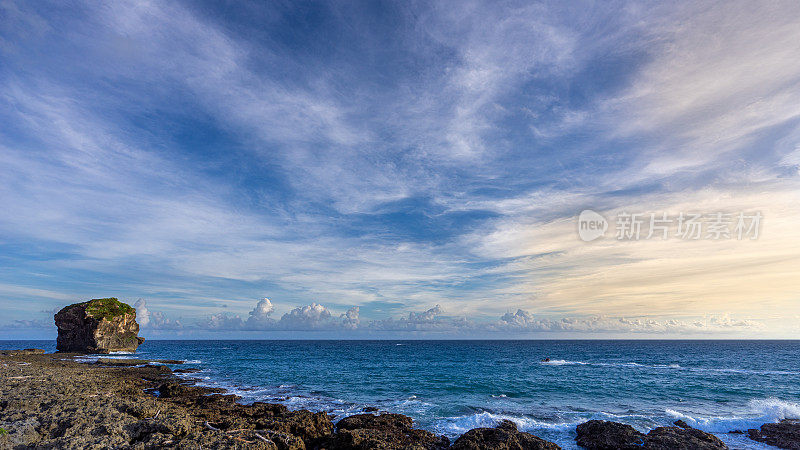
52	401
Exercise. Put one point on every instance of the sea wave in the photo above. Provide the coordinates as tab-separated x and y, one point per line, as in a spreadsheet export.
286	394
562	429
759	412
113	355
458	425
562	362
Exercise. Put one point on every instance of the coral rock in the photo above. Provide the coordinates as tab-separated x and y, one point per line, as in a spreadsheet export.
97	326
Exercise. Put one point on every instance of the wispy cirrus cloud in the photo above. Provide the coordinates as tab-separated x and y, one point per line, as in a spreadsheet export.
199	158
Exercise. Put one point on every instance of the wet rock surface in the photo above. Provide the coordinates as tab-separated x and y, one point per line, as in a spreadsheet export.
121	362
505	436
27	351
52	401
604	435
785	434
383	431
134	362
676	437
681	424
97	326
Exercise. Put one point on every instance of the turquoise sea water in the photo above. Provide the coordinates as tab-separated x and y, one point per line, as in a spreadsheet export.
452	386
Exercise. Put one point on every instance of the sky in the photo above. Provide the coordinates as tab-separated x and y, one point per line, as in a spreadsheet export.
400	169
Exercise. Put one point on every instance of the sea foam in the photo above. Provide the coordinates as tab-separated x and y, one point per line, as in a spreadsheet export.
759	412
458	425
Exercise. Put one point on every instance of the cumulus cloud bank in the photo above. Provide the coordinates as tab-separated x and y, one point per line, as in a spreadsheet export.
155	320
302	318
317	317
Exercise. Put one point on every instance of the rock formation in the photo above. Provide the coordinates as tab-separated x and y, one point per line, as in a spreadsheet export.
100	325
785	434
602	435
25	352
384	431
504	436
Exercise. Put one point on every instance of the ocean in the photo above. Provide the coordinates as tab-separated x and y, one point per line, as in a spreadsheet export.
450	387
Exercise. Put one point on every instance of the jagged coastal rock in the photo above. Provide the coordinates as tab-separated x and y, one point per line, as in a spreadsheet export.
604	435
785	434
49	401
27	351
101	325
504	436
383	431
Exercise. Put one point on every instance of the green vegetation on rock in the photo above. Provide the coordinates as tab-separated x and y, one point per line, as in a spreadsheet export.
3	431
107	308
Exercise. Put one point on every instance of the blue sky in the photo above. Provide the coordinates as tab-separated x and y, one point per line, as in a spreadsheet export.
397	169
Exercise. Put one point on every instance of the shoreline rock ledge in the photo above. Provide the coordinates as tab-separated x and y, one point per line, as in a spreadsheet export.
100	325
604	435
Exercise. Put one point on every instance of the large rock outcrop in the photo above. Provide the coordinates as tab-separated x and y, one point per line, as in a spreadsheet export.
603	435
385	432
785	434
504	436
101	325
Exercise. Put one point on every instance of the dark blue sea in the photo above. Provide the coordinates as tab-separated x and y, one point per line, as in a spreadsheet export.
452	386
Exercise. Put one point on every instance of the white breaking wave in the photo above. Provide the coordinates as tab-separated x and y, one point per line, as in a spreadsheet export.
562	362
562	431
95	357
771	410
458	425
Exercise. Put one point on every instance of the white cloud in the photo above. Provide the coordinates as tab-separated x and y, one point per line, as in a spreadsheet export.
428	320
27	324
713	78
307	317
316	317
221	322
26	291
350	319
263	309
313	317
142	313
550	269
524	321
719	77
259	316
428	316
498	48
154	320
